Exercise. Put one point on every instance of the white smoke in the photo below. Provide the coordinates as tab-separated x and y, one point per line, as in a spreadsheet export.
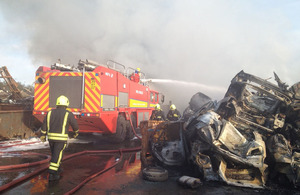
196	41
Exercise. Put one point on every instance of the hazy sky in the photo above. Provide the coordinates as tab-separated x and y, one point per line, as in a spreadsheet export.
197	41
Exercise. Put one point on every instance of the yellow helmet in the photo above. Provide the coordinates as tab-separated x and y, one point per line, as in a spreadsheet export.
62	101
157	107
138	69
172	107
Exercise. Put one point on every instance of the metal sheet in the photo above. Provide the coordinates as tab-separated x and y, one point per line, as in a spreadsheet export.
69	86
17	123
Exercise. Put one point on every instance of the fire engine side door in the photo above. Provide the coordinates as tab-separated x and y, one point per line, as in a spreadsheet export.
92	92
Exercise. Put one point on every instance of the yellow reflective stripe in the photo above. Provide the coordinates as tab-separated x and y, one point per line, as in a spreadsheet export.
54	164
57	135
48	120
57	138
53	168
60	154
65	122
43	132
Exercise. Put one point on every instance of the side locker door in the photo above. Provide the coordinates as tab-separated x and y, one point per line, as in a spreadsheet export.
92	92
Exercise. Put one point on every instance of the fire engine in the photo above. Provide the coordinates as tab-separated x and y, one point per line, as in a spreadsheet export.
102	97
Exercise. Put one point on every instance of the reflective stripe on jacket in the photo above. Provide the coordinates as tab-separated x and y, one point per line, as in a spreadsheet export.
58	136
57	122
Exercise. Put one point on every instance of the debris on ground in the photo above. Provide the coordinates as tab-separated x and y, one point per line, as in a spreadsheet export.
250	138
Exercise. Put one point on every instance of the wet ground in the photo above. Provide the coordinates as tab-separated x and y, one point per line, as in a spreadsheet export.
124	178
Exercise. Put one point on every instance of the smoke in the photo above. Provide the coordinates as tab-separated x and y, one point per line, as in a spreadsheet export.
182	91
196	41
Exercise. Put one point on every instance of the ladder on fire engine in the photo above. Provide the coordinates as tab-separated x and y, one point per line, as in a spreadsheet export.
12	84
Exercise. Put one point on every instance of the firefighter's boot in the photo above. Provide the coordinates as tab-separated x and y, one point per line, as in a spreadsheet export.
54	176
59	171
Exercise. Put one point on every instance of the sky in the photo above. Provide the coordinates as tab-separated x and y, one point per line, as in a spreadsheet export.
197	45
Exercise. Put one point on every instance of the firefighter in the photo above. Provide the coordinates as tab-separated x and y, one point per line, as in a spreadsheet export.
158	114
136	75
173	114
56	127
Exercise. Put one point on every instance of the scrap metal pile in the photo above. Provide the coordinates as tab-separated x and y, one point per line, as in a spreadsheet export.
10	93
16	104
250	138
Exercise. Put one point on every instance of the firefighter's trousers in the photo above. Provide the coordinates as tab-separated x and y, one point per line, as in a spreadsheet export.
57	150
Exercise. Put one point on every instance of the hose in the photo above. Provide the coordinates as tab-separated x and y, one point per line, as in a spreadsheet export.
8	146
21	179
9	142
9	167
133	127
92	177
102	171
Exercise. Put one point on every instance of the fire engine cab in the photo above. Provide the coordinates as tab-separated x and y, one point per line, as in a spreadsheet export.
102	97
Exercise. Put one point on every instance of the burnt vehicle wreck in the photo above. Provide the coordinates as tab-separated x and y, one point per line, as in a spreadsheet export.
249	138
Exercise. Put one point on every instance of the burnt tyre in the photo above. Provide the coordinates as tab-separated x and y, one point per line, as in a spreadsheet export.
198	100
155	174
121	130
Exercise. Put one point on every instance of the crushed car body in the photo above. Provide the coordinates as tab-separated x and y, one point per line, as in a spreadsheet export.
249	137
222	142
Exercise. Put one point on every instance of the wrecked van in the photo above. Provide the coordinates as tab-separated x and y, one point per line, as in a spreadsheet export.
249	137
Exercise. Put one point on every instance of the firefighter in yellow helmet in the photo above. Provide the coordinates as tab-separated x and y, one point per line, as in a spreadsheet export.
173	114
158	114
56	127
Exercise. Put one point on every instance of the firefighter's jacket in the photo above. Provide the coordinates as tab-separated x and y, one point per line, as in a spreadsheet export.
173	115
135	77
158	115
56	124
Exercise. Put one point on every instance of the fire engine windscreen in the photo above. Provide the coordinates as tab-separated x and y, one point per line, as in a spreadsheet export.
70	86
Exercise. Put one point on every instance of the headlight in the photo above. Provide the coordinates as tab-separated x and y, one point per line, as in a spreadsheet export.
41	80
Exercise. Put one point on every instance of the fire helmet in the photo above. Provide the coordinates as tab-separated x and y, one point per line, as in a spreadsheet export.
172	107
157	107
62	101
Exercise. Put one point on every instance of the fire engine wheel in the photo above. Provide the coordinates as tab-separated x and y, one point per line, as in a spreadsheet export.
155	174
130	133
121	130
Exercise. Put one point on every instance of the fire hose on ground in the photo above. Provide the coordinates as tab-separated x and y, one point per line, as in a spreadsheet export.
133	128
25	165
9	142
21	179
21	144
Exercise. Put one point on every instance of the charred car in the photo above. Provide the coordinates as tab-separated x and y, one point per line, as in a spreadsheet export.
227	139
249	137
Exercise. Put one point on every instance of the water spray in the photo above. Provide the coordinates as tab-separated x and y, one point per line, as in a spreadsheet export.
191	84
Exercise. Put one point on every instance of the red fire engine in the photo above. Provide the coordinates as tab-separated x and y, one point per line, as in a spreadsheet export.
102	97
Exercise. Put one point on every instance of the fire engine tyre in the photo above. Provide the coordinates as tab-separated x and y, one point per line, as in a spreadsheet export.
130	133
155	174
121	130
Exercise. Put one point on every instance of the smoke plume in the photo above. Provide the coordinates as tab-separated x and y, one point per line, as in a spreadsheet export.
196	41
